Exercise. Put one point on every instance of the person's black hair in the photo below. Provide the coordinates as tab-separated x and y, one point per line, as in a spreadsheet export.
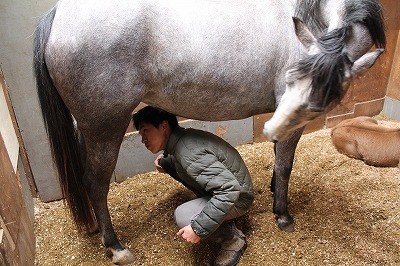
154	116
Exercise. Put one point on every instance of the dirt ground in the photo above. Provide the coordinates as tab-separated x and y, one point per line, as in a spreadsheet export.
346	213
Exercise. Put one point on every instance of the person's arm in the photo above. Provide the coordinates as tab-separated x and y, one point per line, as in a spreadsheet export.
215	178
166	165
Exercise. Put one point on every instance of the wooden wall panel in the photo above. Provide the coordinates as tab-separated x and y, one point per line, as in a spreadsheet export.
17	244
366	94
393	90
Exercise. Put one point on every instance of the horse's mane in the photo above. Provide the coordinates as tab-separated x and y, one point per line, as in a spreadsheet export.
309	11
367	12
327	68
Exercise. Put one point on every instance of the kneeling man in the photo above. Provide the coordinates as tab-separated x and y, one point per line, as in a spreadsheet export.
212	169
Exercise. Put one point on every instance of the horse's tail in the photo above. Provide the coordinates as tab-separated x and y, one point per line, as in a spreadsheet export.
68	153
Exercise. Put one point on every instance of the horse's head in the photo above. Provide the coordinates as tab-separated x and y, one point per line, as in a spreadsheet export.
321	77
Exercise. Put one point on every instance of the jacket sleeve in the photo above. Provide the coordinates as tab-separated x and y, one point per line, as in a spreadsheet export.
215	178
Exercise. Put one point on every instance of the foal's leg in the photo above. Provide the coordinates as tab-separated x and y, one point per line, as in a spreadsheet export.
284	156
102	147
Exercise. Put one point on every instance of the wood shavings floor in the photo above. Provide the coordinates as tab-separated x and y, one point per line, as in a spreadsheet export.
346	213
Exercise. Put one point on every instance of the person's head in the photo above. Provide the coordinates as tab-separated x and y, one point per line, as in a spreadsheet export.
155	127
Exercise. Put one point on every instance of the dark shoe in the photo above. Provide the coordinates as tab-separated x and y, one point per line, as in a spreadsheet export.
231	250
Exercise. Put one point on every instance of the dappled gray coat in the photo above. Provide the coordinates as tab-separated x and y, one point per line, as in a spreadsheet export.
210	166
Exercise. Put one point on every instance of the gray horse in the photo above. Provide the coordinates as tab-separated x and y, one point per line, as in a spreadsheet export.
96	60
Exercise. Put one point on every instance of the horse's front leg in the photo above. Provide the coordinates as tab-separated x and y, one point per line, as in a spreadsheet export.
102	154
284	156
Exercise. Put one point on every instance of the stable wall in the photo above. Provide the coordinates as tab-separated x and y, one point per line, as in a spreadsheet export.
17	240
378	90
392	100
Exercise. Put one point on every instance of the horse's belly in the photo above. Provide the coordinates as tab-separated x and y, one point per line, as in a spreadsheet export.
212	107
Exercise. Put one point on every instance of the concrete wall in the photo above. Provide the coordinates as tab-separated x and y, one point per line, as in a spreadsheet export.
18	20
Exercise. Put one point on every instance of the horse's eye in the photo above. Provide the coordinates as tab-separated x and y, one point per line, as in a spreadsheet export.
290	83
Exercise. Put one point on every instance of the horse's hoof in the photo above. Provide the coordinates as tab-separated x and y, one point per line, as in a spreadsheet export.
123	257
285	224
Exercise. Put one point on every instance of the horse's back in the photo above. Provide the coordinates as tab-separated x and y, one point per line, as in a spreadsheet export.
208	32
230	55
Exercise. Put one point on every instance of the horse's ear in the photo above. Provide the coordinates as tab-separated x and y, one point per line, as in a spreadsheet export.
305	36
363	63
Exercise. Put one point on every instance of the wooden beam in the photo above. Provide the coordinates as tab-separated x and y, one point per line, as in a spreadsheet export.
7	234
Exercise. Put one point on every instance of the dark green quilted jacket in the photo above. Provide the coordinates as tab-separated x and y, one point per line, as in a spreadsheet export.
210	166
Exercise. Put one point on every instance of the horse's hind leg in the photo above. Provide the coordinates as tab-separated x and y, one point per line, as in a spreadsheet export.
284	156
102	147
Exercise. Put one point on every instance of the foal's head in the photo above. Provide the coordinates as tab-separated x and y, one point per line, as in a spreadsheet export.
321	77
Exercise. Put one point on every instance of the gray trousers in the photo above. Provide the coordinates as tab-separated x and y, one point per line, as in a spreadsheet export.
187	211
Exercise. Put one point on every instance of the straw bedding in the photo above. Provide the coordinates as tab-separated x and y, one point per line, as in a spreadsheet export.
346	213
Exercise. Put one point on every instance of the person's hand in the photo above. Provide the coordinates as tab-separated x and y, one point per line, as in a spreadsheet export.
188	234
158	166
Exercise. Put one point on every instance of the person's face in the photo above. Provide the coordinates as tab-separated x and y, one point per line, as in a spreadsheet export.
154	138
